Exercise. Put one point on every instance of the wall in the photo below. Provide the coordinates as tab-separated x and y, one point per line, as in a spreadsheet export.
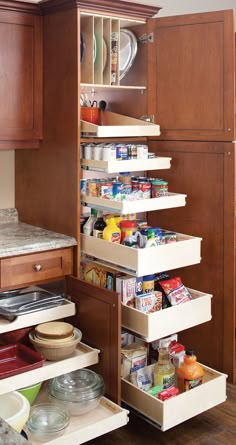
169	7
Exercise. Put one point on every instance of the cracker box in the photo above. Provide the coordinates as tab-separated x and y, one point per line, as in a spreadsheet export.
99	275
126	286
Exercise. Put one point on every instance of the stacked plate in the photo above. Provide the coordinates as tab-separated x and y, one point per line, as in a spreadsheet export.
55	340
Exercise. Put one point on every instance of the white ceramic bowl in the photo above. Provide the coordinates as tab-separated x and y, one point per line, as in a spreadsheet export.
14	409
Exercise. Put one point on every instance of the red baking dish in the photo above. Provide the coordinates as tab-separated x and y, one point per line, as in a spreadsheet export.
18	358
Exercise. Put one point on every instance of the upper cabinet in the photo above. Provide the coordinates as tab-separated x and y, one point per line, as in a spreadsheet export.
20	75
191	76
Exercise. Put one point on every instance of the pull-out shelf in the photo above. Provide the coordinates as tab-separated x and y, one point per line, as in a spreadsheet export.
157	163
173	319
103	419
184	252
169	201
82	357
67	309
177	409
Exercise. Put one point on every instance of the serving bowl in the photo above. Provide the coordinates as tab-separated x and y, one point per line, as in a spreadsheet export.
31	392
80	391
47	421
52	350
14	409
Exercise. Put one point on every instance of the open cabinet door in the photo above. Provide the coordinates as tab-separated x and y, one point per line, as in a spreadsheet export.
98	316
191	69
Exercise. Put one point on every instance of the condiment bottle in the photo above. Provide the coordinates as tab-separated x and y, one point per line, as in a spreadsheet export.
164	370
99	225
111	231
190	373
88	226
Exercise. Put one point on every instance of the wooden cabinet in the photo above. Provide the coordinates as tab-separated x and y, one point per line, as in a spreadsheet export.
191	77
186	110
21	76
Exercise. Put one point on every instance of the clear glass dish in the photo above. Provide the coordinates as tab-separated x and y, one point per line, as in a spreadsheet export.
47	421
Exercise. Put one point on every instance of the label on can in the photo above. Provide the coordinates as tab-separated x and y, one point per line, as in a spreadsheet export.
145	189
106	190
92	188
121	151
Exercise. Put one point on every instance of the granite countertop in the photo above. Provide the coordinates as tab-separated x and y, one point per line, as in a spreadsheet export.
17	238
8	436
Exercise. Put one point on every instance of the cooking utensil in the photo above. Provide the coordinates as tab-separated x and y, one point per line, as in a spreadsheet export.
128	51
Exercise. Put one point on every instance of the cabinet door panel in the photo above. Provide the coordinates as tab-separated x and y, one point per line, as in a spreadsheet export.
192	92
98	316
21	76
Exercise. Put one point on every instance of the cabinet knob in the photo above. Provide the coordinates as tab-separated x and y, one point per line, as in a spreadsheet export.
37	267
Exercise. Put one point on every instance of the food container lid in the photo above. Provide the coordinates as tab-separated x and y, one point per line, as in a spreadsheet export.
77	386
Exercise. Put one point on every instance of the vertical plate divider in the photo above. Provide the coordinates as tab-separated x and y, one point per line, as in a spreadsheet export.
87	65
107	40
115	44
98	58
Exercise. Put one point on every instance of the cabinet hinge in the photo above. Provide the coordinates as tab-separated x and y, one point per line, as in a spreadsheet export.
145	38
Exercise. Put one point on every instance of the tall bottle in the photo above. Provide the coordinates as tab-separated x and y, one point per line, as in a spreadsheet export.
88	226
112	232
190	373
99	225
164	370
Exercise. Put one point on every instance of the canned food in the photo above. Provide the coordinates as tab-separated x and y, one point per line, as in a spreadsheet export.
83	187
117	188
98	152
88	151
142	151
109	152
159	188
132	151
92	187
106	190
145	189
121	151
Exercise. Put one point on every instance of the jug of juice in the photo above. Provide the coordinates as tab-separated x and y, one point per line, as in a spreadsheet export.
190	373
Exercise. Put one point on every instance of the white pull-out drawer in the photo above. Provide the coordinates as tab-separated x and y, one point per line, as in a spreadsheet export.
185	252
82	357
173	319
169	201
106	417
128	165
177	409
67	309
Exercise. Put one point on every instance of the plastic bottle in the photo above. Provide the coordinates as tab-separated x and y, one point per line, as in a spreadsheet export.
164	370
151	239
190	373
88	226
99	225
112	231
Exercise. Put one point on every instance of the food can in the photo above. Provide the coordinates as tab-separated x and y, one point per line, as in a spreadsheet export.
142	151
92	187
159	188
88	151
121	151
109	152
117	188
132	151
83	187
106	189
148	283
98	152
145	189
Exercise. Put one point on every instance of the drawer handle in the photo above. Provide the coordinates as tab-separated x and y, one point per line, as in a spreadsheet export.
37	267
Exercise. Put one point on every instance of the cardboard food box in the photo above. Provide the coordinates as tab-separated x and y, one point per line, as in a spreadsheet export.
99	275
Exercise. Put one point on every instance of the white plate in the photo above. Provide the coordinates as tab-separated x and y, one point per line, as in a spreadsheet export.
128	51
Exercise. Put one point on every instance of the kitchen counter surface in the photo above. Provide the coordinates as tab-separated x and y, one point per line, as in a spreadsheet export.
8	436
17	238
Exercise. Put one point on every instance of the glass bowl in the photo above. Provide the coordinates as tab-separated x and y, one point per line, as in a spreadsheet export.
79	390
47	421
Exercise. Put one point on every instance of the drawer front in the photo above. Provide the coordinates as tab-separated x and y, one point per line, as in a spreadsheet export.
173	319
181	408
37	267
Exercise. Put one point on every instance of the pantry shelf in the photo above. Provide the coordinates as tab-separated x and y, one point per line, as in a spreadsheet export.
173	319
172	200
157	163
185	251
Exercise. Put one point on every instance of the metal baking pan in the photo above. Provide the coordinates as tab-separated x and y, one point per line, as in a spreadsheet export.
29	302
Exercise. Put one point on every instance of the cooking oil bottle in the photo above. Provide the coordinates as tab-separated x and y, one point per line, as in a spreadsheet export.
164	370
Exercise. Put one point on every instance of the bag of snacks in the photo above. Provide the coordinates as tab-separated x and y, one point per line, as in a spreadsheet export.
175	291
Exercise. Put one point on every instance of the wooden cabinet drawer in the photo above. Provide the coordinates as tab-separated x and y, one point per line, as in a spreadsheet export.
173	319
177	409
34	268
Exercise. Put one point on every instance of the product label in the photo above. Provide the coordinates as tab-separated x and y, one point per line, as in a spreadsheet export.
115	237
190	384
165	380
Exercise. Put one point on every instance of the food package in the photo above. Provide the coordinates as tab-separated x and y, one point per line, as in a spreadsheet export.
133	357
